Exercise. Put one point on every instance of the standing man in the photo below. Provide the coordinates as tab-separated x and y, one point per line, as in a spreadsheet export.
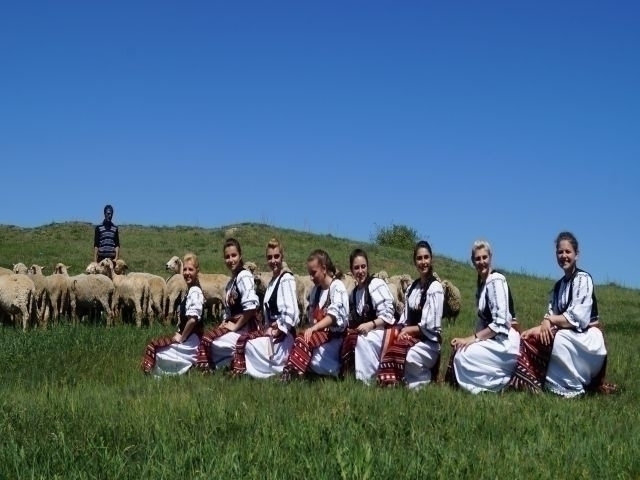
106	241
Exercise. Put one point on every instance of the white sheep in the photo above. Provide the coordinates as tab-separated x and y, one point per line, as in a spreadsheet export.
20	268
304	285
43	301
212	284
402	283
42	297
5	271
17	297
94	268
58	289
394	289
261	279
176	288
86	292
157	288
131	292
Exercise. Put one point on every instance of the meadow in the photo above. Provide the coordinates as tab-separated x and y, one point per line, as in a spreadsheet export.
75	404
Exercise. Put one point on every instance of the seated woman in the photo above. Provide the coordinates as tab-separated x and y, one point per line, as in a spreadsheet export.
241	303
262	354
318	347
485	361
412	358
370	320
566	353
176	354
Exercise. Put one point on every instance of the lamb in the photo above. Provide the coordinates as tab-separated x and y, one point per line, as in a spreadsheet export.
212	284
157	288
86	292
17	297
131	292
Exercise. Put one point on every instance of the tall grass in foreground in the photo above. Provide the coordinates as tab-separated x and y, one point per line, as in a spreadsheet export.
75	405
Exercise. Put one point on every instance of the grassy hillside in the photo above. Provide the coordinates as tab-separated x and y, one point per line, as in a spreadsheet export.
148	249
75	404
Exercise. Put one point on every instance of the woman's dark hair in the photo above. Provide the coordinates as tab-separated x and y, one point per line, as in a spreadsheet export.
232	242
569	237
419	245
323	259
357	252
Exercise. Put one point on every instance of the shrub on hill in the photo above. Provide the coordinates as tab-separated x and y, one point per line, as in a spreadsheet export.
397	236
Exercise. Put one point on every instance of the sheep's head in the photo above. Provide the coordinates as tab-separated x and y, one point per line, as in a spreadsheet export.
61	268
106	265
173	265
120	267
20	268
251	266
405	281
383	275
36	269
93	268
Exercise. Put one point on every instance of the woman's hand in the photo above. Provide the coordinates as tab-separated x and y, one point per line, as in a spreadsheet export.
405	334
229	325
307	334
274	332
545	332
461	343
177	338
530	333
365	328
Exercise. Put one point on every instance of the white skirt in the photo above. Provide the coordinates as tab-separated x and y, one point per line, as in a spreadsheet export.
325	360
576	359
487	366
223	348
367	355
264	358
177	358
421	358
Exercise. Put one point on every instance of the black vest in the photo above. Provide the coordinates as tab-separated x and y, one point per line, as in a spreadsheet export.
272	304
234	293
414	315
485	314
369	313
556	295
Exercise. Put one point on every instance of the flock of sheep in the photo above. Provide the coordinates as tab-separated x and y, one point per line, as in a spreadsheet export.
29	297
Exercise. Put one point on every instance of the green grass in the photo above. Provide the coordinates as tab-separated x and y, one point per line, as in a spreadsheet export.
76	405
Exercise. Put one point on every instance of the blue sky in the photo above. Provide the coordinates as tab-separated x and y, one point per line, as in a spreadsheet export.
508	121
